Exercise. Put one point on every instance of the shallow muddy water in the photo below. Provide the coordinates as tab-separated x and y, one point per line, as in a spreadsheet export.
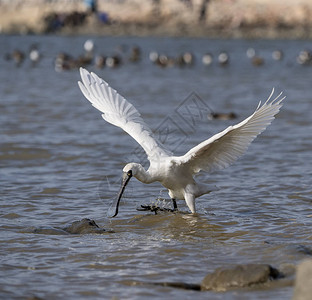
60	162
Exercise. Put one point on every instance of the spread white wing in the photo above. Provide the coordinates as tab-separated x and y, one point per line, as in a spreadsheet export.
226	147
119	112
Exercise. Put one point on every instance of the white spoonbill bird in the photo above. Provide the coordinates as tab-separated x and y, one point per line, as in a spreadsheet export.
175	172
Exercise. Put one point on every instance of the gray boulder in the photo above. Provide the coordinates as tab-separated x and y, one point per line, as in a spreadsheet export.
84	226
240	276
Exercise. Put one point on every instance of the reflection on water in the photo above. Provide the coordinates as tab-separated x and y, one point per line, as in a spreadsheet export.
61	163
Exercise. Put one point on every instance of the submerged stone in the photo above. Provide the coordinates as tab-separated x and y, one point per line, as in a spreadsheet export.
83	226
239	276
256	276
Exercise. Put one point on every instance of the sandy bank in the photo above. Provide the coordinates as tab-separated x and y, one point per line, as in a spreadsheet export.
226	18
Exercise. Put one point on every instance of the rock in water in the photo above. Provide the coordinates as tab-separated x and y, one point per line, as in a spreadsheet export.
239	276
303	283
83	226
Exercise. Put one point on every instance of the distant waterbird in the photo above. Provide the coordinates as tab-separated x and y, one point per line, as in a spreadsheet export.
207	59
175	172
277	54
223	59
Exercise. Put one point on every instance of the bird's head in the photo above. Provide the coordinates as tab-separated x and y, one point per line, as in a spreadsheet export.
131	169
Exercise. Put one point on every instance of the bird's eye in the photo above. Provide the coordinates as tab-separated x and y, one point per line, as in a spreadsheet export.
129	173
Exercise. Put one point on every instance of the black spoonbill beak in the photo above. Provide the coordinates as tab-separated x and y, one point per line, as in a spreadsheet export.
113	210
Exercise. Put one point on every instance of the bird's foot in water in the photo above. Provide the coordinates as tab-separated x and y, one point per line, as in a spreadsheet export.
155	209
159	206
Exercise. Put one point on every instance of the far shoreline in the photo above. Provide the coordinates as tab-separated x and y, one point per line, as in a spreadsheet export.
161	32
223	19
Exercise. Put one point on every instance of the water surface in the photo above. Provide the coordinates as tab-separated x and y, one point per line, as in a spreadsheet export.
60	162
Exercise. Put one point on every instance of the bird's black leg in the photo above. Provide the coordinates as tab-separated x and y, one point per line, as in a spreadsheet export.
175	206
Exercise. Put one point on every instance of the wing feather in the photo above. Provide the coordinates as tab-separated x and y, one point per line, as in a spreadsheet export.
119	112
226	147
